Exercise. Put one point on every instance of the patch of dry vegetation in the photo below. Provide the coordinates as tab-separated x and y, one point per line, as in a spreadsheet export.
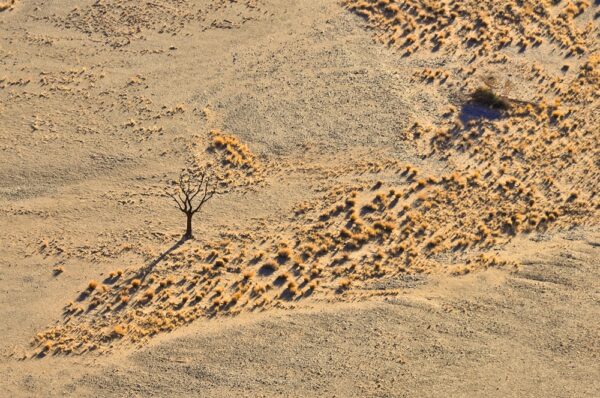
546	144
230	160
481	26
121	21
231	151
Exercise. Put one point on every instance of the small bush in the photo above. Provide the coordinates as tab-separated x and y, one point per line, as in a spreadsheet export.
293	287
219	263
344	284
486	97
119	331
284	254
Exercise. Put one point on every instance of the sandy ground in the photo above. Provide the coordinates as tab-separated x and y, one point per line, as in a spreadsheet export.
102	102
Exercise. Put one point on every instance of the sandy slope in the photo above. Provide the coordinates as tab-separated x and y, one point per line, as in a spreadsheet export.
102	102
488	334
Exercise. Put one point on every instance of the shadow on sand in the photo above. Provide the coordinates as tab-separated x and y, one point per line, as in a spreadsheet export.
143	273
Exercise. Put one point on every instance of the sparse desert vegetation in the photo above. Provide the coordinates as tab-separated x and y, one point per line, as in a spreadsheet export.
411	184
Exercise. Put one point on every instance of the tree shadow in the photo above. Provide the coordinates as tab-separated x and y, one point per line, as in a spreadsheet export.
143	273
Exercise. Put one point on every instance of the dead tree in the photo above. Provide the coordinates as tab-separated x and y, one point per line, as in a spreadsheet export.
190	193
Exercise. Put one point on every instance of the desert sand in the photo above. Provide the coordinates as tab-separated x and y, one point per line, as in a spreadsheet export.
406	198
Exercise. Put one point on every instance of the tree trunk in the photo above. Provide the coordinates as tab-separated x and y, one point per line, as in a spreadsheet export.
188	230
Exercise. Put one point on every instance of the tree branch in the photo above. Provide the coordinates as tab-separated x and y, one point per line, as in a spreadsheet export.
172	195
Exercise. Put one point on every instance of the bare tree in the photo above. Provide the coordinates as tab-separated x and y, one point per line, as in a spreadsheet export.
190	193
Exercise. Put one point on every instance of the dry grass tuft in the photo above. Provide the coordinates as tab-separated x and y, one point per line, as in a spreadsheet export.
344	284
149	294
235	153
248	274
284	254
119	331
92	285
